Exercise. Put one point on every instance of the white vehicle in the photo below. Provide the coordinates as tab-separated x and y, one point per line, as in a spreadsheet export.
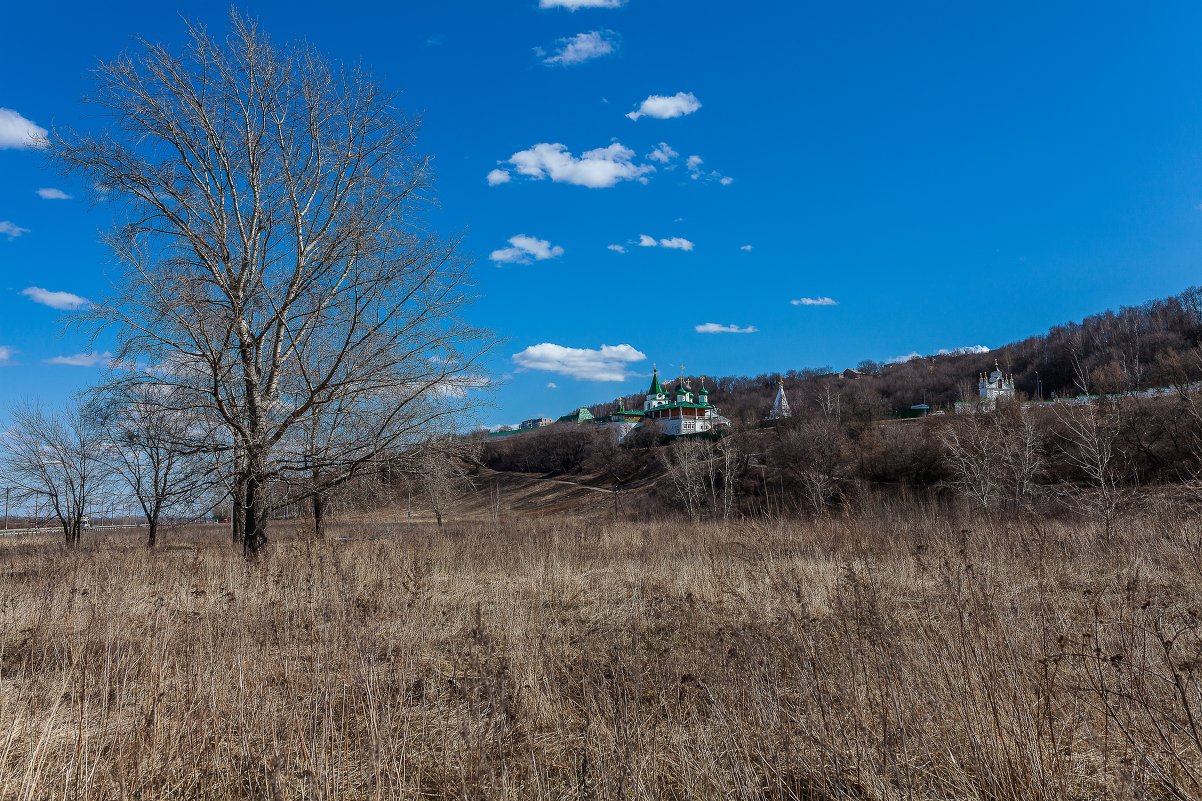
85	522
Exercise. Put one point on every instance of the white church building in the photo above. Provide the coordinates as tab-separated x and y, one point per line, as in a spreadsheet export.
992	387
780	405
681	411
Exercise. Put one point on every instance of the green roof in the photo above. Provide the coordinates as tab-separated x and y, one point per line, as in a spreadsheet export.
581	415
656	387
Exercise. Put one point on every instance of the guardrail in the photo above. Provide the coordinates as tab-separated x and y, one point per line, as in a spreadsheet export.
59	529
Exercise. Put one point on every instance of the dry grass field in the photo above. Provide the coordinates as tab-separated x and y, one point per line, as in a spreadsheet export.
898	655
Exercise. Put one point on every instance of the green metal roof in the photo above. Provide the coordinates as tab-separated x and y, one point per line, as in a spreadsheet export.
581	415
656	387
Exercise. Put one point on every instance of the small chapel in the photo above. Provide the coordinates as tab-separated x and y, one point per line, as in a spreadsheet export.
780	406
995	386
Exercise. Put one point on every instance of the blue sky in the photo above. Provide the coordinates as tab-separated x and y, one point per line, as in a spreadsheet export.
947	175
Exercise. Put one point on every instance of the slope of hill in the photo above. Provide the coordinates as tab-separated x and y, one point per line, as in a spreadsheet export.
1152	345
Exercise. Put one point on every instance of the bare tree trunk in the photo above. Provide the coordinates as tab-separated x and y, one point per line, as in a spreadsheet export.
152	531
436	506
254	530
319	515
238	509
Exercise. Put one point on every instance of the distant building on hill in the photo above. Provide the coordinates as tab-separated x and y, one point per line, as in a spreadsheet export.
581	415
995	387
681	411
623	421
535	422
780	406
992	387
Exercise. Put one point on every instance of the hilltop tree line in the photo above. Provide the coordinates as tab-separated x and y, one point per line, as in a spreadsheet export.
1153	345
1091	459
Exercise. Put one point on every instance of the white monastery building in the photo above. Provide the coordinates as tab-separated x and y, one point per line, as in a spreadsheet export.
993	387
682	411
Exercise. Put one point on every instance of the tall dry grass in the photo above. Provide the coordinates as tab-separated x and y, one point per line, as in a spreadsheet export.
889	656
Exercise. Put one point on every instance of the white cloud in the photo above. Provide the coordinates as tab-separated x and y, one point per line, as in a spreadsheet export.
677	243
608	363
18	132
819	301
552	385
525	249
666	107
11	230
718	328
962	350
663	153
49	193
6	354
674	243
573	5
597	169
82	359
696	173
616	248
748	248
583	47
64	301
498	177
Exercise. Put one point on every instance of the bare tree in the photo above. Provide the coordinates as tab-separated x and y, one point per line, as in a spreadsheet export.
732	466
996	456
970	454
441	470
274	264
57	458
686	461
156	447
1091	432
815	454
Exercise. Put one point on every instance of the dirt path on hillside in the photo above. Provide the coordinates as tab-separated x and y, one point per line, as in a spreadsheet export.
571	484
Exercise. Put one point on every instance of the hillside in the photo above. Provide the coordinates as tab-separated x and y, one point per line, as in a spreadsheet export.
1155	344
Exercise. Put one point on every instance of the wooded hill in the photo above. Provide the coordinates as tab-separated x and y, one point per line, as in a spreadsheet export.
1156	344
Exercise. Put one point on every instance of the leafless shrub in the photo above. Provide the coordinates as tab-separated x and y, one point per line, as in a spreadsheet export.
996	457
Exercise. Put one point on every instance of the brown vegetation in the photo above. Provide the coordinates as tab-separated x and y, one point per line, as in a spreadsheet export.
893	654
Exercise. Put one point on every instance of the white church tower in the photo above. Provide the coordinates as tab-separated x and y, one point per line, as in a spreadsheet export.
995	386
780	406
